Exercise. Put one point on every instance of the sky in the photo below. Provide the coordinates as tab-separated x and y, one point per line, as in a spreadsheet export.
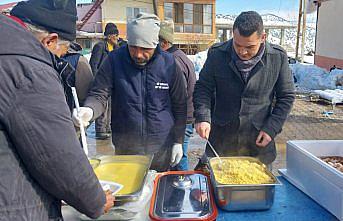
287	9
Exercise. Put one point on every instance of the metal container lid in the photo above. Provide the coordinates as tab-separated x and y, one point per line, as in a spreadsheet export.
182	195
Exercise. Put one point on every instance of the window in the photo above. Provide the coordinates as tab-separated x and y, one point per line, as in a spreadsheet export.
190	18
131	13
178	17
168	10
207	13
178	12
198	18
188	13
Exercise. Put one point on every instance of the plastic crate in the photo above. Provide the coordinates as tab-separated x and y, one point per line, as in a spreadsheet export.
313	176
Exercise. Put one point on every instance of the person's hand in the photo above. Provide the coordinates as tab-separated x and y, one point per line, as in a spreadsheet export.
109	201
203	129
263	139
176	154
85	114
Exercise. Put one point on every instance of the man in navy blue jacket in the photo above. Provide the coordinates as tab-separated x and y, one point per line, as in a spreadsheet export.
148	92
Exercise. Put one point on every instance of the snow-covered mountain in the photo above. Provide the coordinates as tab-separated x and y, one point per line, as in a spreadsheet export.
275	34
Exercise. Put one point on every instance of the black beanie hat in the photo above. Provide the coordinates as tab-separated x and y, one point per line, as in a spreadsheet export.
111	29
56	16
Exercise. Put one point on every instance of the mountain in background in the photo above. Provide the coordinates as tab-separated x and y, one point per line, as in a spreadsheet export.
275	34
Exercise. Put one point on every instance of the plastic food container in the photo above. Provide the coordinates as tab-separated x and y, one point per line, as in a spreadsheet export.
127	170
322	182
238	197
181	196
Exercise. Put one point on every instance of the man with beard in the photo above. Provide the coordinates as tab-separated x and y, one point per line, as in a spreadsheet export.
148	95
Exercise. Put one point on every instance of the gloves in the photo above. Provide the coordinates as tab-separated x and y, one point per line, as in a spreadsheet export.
176	154
85	114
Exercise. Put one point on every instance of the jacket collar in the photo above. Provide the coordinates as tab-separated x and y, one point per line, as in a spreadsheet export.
172	49
227	48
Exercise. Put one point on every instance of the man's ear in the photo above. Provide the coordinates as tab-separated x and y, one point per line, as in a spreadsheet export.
263	37
50	41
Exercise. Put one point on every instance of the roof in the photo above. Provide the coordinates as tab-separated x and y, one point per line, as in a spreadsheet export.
7	7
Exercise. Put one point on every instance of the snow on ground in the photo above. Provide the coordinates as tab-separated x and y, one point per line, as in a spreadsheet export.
335	96
314	78
198	61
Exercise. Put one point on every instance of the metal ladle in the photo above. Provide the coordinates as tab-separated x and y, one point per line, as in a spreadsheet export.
216	154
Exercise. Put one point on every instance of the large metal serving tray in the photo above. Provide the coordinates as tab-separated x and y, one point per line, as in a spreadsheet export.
244	197
313	176
144	161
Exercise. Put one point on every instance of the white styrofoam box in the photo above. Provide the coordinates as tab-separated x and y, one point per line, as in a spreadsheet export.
313	176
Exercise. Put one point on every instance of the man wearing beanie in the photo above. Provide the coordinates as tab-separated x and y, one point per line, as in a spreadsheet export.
99	53
166	42
42	161
148	95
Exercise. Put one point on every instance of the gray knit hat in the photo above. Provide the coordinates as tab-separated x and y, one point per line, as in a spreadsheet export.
143	31
167	30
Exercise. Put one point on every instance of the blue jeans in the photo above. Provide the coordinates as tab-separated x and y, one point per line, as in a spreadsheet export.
183	165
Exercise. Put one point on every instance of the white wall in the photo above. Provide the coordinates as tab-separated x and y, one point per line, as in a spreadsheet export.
330	30
115	10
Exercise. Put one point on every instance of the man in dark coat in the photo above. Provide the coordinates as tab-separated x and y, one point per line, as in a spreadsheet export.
245	75
41	159
166	42
148	95
83	76
99	53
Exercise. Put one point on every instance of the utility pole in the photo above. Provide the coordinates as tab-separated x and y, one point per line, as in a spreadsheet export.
303	42
298	30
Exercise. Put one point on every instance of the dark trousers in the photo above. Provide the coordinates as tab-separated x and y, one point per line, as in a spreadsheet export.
103	123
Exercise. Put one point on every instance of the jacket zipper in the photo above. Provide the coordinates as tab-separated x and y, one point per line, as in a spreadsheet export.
144	108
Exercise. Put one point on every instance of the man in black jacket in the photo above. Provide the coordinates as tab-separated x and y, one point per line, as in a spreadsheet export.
166	42
99	53
148	95
245	75
41	159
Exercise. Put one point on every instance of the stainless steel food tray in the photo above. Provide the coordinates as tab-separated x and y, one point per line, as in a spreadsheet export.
144	160
231	197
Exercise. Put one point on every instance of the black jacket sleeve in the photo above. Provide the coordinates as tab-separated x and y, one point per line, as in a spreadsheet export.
285	95
178	95
39	124
204	92
101	89
187	69
83	79
96	57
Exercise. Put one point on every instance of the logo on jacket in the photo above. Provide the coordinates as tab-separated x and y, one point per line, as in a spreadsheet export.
162	86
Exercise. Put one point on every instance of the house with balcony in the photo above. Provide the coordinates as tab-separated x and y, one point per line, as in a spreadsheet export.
194	19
